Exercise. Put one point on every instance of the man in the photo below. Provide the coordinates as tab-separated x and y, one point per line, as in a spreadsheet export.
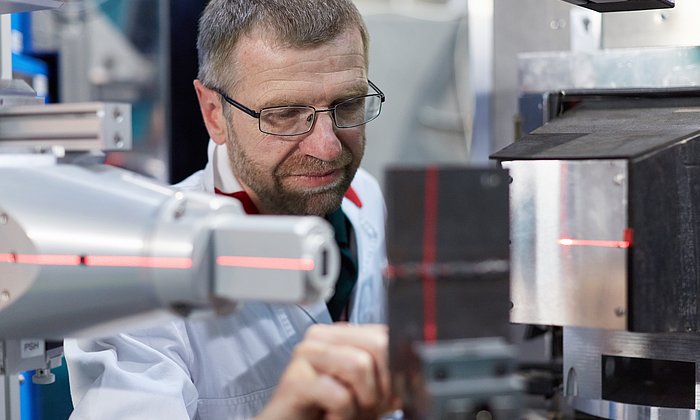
284	94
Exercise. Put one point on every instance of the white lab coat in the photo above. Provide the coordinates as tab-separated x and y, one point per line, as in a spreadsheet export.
226	367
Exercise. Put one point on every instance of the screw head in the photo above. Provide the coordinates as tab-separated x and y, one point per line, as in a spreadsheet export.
117	115
118	141
619	311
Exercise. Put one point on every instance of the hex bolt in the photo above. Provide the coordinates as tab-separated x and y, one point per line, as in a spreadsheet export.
619	179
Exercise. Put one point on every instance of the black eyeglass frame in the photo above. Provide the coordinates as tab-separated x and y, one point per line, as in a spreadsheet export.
256	114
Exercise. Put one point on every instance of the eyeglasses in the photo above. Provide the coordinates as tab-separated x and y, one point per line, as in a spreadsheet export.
295	120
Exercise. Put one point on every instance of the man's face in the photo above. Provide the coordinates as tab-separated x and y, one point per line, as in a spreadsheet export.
306	174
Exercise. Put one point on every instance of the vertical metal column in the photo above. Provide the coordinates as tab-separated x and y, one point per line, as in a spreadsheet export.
9	389
5	48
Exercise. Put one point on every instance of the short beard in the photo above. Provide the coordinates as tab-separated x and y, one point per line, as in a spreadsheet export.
275	198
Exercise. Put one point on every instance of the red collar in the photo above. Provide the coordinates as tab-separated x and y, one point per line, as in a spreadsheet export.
242	196
351	195
250	208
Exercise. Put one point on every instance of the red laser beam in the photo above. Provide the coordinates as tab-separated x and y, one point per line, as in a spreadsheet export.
297	264
137	261
594	243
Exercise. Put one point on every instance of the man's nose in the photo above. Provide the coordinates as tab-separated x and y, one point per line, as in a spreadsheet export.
322	142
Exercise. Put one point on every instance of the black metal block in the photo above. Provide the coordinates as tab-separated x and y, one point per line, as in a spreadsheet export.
462	284
623	5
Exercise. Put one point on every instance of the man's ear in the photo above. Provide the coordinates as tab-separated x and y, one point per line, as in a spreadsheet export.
212	112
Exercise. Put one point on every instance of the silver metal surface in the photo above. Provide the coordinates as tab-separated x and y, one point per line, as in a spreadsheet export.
657	28
586	29
583	348
17	278
287	239
619	411
9	397
74	127
568	285
5	47
17	92
103	248
614	68
21	6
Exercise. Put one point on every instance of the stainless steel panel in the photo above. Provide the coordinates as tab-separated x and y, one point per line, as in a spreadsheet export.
657	28
580	284
582	354
623	68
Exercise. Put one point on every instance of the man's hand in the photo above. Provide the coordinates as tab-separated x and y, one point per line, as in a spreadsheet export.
338	371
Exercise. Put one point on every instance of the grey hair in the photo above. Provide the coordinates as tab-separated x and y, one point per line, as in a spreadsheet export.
292	23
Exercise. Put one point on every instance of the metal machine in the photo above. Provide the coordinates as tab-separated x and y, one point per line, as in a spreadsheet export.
604	203
604	214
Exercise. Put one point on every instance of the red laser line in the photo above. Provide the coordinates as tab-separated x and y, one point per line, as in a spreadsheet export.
97	260
430	203
47	259
297	264
594	243
138	261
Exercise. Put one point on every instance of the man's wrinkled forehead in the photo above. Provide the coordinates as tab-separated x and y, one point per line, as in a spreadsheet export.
261	51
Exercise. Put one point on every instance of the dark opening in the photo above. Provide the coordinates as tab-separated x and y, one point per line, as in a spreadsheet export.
650	382
324	262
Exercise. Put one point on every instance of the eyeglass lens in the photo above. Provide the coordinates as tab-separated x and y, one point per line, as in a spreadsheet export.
293	120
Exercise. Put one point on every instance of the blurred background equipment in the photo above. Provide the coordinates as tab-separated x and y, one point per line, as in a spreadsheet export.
431	115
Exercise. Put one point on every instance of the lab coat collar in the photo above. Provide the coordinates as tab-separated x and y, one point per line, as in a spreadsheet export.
219	175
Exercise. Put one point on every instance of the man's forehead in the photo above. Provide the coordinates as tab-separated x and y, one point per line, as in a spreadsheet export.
258	56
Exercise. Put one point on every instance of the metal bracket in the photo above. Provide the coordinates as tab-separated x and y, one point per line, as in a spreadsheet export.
80	127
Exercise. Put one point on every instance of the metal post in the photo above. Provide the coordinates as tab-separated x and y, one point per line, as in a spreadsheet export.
9	389
5	48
